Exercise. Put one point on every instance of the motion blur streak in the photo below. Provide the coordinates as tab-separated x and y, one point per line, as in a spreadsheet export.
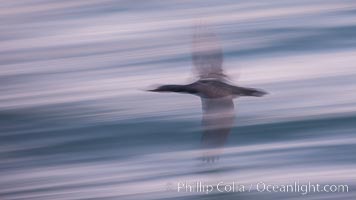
75	122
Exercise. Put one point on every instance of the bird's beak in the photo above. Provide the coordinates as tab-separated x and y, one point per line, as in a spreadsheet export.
153	88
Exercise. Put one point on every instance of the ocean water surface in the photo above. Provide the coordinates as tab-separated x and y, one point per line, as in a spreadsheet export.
77	123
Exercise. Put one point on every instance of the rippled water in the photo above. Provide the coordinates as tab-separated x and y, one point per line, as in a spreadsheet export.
76	122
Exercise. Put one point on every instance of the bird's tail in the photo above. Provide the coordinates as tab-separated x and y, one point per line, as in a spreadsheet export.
242	91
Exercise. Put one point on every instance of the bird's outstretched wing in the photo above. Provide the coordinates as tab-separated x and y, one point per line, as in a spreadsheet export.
207	55
218	119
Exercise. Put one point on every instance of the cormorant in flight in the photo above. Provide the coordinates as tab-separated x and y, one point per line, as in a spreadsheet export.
214	90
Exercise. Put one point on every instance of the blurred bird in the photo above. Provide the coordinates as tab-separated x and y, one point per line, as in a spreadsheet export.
214	90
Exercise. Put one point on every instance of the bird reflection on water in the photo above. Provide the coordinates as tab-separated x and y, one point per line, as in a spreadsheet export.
215	91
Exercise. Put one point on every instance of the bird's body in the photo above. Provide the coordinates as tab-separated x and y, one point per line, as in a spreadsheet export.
215	92
211	89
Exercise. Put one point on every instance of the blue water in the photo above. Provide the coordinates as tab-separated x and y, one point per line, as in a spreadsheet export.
76	123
